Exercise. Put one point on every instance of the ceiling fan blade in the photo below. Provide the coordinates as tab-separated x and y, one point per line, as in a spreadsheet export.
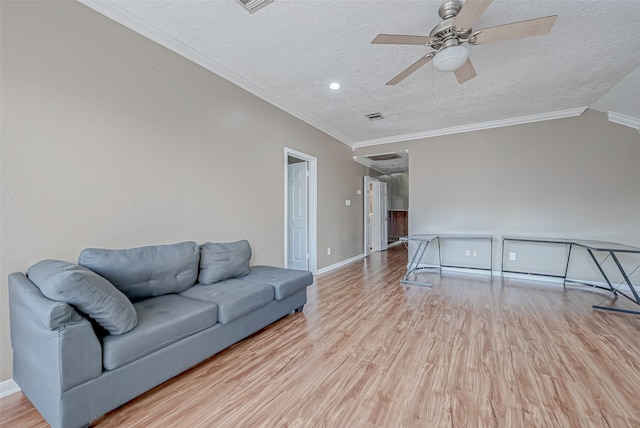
470	12
413	67
399	39
466	72
517	30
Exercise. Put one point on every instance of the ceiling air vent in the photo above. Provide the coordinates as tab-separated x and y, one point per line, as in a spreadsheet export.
374	116
253	5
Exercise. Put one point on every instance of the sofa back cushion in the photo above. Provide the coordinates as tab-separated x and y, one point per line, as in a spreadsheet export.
87	291
220	261
146	271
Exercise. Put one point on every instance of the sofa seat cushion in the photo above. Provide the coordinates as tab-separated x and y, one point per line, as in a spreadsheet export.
146	271
285	281
234	297
162	321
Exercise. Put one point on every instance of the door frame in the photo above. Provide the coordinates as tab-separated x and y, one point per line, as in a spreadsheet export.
368	180
375	242
376	222
312	212
383	214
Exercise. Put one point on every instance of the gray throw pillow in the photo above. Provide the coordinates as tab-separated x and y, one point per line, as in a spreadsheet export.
220	261
87	291
145	272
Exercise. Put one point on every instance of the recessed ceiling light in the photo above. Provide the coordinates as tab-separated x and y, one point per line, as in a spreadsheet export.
334	86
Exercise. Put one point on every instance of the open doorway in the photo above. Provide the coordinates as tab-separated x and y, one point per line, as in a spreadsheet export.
398	205
386	218
300	210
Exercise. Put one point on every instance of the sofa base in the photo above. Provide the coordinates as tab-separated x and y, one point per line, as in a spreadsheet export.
90	400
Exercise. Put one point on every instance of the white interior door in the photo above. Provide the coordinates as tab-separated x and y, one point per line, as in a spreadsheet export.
374	198
367	215
376	230
297	217
383	217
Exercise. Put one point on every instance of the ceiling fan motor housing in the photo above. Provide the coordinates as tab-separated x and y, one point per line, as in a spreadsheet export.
450	9
445	34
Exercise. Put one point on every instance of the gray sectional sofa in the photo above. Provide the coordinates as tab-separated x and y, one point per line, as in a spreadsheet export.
89	337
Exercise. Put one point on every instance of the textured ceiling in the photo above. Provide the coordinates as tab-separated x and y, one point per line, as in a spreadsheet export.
289	51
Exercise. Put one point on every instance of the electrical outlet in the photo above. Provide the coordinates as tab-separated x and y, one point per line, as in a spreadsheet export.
512	255
467	252
348	202
328	251
475	253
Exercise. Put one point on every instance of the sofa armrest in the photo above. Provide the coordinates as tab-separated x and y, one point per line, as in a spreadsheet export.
51	342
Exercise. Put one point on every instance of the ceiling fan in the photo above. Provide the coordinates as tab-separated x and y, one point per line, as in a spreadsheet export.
447	38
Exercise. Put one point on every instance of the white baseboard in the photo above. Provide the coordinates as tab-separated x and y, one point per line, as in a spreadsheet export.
8	387
459	270
395	244
569	281
338	265
346	262
529	277
584	283
469	270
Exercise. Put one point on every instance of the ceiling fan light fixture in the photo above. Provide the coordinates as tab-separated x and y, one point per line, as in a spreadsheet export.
451	58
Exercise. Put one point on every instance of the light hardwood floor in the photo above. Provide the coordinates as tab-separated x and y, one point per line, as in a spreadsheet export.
472	351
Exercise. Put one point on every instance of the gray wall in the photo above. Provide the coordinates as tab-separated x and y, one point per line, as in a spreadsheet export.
110	140
576	178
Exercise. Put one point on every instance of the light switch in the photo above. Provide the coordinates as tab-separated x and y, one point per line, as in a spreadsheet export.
348	202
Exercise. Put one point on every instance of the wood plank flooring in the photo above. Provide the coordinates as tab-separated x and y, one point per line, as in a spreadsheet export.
472	351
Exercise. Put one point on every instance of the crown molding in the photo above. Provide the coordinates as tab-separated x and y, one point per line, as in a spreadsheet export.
123	17
561	114
622	119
